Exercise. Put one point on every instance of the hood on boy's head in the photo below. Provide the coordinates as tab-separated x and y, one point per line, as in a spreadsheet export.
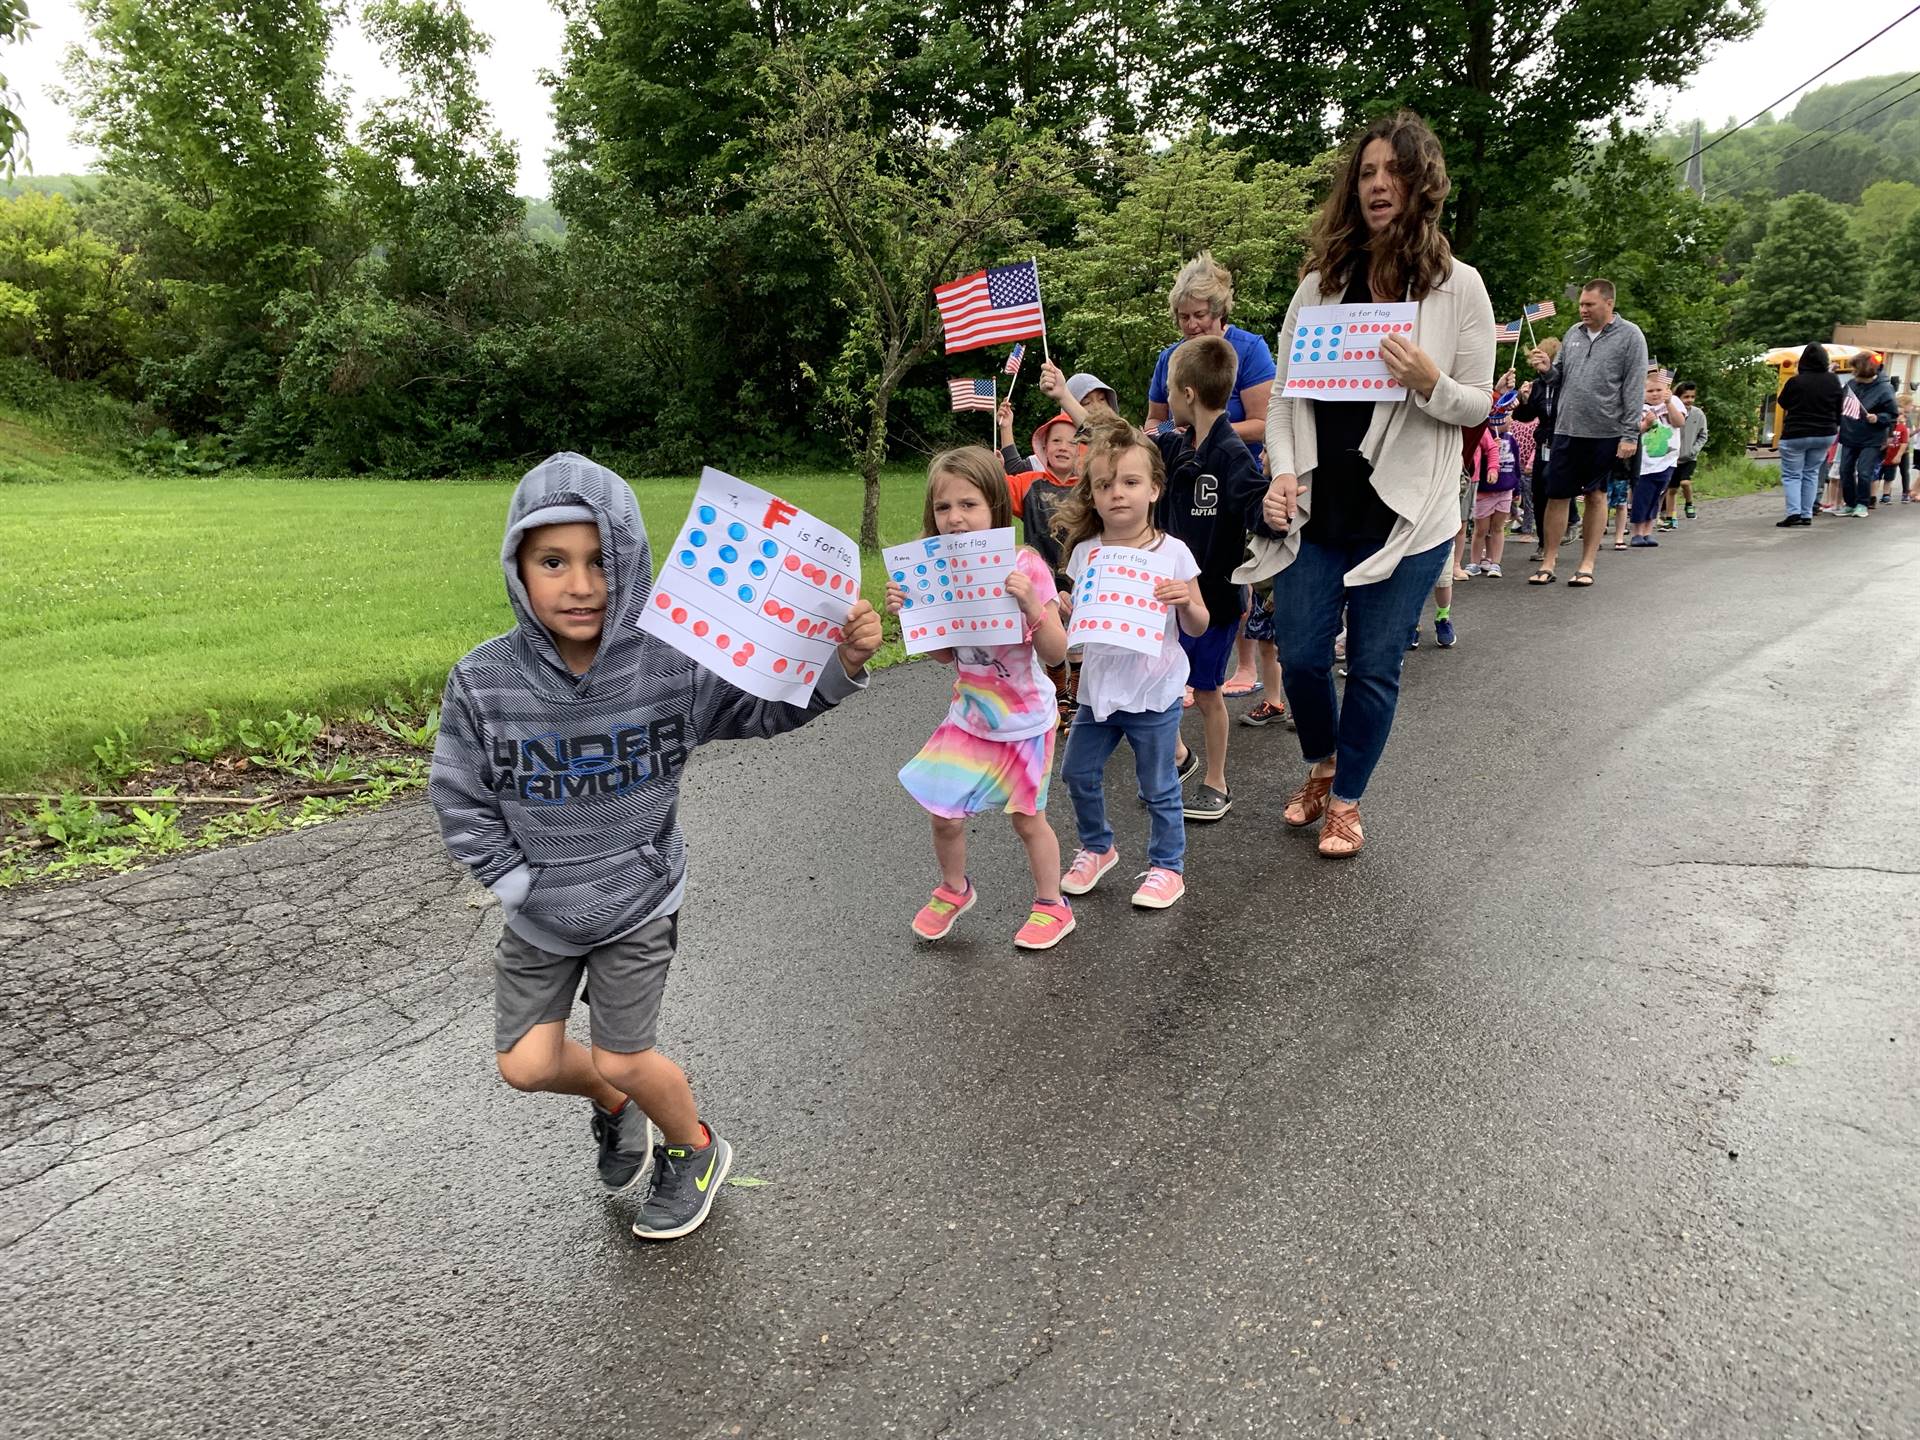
565	489
1040	434
1085	383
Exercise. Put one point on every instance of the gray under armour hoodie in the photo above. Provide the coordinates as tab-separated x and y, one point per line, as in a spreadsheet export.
561	792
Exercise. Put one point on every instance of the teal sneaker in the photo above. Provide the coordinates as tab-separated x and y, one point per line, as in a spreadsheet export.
685	1182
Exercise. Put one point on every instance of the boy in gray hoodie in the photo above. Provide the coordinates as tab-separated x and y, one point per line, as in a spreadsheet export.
556	778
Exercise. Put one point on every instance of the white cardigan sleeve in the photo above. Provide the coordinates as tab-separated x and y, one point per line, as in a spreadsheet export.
1464	393
1281	412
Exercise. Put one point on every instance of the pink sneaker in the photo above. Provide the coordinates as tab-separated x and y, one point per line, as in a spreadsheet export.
1159	889
936	917
1046	927
1086	870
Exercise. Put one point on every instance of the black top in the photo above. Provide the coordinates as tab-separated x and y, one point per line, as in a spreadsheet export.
1213	493
1541	402
1036	519
1343	505
1811	404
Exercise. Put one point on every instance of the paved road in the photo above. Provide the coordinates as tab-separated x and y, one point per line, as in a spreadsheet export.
1584	1104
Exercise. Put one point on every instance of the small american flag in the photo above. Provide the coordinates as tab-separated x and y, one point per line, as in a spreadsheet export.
971	394
1508	331
989	307
1541	310
1012	367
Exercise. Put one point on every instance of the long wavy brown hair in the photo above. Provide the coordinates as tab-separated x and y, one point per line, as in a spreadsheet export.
1411	255
1076	517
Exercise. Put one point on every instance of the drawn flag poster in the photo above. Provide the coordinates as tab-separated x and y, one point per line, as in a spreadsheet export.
956	591
1334	351
1113	604
755	589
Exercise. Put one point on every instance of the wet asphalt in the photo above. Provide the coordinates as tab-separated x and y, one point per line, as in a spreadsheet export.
1582	1104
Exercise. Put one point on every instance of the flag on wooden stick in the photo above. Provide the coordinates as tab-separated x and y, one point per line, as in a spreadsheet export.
990	307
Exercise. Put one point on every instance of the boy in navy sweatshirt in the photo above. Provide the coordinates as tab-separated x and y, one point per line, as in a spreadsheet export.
1213	494
556	778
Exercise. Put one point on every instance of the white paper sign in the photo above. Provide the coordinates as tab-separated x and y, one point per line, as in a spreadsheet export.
1334	351
956	591
755	590
1113	604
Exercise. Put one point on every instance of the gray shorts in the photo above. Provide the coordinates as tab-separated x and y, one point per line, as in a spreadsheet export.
625	981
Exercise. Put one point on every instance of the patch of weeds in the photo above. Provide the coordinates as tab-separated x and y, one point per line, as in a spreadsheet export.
117	756
283	743
249	824
318	809
75	824
157	830
420	736
341	770
205	745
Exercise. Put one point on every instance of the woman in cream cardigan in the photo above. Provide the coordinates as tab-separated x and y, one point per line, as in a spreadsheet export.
1364	501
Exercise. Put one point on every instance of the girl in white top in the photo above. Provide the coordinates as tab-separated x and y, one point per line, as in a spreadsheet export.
1125	694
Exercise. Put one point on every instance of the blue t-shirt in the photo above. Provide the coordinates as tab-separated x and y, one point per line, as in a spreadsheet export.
1256	368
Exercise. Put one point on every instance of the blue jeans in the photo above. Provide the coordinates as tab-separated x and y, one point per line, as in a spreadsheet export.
1859	469
1800	471
1154	736
1308	597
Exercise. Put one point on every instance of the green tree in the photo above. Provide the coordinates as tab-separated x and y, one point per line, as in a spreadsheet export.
1806	277
1896	277
902	211
1662	248
1839	167
1111	278
1511	87
13	26
1885	208
223	117
67	295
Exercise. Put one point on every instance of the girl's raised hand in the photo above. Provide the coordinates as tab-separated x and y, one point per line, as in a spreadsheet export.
896	597
1052	382
859	636
1021	589
1173	592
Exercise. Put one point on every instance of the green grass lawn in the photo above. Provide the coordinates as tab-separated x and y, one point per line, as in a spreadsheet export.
142	603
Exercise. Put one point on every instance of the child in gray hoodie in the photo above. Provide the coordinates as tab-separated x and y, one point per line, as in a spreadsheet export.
556	778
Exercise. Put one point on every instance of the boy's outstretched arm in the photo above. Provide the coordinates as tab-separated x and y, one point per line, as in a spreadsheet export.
725	712
460	786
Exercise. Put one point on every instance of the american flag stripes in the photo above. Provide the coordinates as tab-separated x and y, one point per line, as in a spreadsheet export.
1508	331
1012	367
1540	310
990	307
971	394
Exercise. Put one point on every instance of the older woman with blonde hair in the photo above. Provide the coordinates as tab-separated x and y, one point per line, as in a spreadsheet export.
1200	302
1364	499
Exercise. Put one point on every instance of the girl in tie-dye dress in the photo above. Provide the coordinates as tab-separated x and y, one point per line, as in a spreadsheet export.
994	750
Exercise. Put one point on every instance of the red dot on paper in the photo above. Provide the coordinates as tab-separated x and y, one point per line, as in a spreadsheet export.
772	607
808	677
747	649
1108	625
740	659
780	667
793	562
679	615
834	634
662	601
836	582
941	631
700	627
722	641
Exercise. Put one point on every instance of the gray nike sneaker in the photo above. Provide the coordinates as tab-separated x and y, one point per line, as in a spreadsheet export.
626	1147
684	1184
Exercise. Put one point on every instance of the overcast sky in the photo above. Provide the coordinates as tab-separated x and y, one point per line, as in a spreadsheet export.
1797	38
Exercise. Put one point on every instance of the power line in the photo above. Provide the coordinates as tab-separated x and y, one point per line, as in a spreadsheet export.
1747	172
1805	83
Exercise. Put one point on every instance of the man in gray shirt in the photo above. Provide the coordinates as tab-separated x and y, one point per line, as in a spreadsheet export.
1602	372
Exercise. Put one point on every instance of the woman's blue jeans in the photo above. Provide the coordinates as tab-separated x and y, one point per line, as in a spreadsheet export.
1800	471
1308	599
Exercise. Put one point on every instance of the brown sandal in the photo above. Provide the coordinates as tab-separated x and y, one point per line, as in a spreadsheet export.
1312	800
1343	826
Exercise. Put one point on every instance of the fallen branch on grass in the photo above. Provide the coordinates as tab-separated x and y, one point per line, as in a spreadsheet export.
273	798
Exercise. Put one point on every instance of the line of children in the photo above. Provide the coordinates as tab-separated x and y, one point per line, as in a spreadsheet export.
1494	497
556	782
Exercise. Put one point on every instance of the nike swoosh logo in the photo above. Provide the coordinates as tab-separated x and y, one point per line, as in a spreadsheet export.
712	1160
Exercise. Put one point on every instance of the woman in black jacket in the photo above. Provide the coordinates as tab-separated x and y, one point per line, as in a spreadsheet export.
1811	403
1538	397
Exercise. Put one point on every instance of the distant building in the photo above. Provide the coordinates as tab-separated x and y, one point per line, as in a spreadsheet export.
1899	340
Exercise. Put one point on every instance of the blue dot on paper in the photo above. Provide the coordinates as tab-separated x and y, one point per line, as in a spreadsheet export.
1301	331
899	574
769	549
923	584
1336	329
919	569
729	554
745	592
1319	329
907	603
940	564
686	558
696	538
736	531
949	595
717	575
708	515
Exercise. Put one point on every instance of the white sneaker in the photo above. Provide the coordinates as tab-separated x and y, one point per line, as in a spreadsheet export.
1476	569
1492	572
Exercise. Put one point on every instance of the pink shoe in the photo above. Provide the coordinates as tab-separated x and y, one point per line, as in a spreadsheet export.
1086	870
936	917
1159	889
1049	924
